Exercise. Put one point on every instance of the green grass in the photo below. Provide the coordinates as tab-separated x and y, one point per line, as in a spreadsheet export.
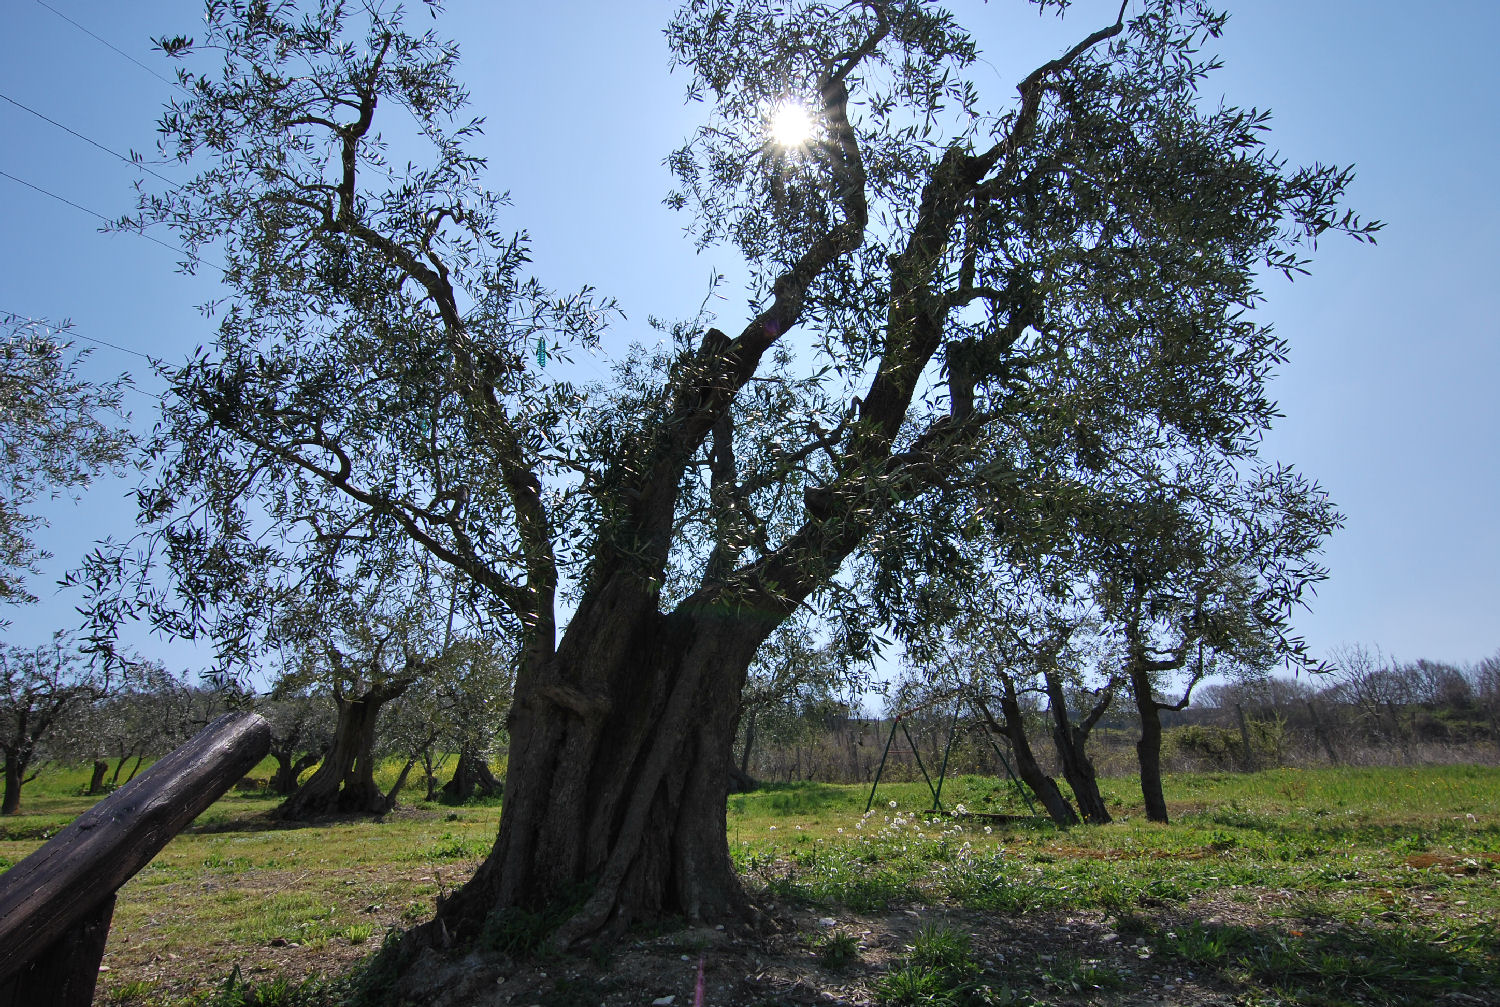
1377	886
1369	886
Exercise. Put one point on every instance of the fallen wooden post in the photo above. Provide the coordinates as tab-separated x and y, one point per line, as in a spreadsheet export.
55	906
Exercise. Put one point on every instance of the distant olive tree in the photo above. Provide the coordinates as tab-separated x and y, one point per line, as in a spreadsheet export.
58	431
40	688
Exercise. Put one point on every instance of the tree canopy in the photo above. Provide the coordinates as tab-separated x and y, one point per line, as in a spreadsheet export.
974	315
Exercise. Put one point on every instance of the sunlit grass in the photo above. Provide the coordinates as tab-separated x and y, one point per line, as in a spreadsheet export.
1356	886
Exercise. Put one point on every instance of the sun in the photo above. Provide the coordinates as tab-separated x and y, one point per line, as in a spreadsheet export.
791	124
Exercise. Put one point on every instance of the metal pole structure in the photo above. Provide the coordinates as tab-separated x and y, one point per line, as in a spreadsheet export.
937	798
871	802
930	788
1020	788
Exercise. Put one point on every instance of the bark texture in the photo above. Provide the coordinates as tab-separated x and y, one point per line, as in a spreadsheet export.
617	796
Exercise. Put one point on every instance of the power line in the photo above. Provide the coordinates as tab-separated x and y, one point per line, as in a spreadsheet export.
89	140
108	45
111	223
70	331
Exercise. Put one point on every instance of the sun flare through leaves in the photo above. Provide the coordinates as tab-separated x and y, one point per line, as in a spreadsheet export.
791	124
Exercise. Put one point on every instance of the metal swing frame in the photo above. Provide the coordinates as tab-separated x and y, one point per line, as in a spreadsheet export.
937	789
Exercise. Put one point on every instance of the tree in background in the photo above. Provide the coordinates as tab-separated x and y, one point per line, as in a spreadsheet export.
1202	578
58	431
456	709
365	642
302	724
40	688
793	673
476	698
951	292
147	712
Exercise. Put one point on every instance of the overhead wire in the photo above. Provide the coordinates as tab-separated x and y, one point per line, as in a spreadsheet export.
108	45
90	140
588	365
113	223
71	333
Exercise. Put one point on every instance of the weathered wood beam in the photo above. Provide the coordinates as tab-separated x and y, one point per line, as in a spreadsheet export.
56	904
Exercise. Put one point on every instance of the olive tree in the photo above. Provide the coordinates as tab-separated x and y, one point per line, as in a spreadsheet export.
950	286
40	688
366	644
58	431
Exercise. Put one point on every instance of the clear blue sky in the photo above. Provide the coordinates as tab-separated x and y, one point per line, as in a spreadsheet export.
1390	395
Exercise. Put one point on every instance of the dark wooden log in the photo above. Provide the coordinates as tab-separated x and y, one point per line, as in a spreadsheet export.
64	974
63	893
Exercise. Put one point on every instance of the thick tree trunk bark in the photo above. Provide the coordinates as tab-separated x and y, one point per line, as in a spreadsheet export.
1043	786
1148	748
621	745
345	782
1071	742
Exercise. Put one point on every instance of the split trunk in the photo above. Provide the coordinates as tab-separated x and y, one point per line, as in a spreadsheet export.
621	746
1071	741
345	781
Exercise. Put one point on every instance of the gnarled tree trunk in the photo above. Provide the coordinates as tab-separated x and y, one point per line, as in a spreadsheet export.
345	781
290	767
616	794
472	774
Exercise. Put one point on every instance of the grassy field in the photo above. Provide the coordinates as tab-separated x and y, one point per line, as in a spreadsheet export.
1378	886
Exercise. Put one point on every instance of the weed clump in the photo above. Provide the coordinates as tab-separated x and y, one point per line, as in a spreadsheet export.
838	950
940	971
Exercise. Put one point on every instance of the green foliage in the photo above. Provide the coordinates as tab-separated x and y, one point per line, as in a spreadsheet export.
943	948
1069	974
235	991
1220	747
837	950
524	933
59	430
939	971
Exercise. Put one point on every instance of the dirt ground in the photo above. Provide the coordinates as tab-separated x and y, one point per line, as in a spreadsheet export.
762	970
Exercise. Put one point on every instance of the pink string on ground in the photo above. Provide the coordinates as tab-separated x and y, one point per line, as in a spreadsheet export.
698	991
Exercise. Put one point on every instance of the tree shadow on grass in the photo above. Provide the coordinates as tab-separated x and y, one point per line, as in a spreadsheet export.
791	799
1332	962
